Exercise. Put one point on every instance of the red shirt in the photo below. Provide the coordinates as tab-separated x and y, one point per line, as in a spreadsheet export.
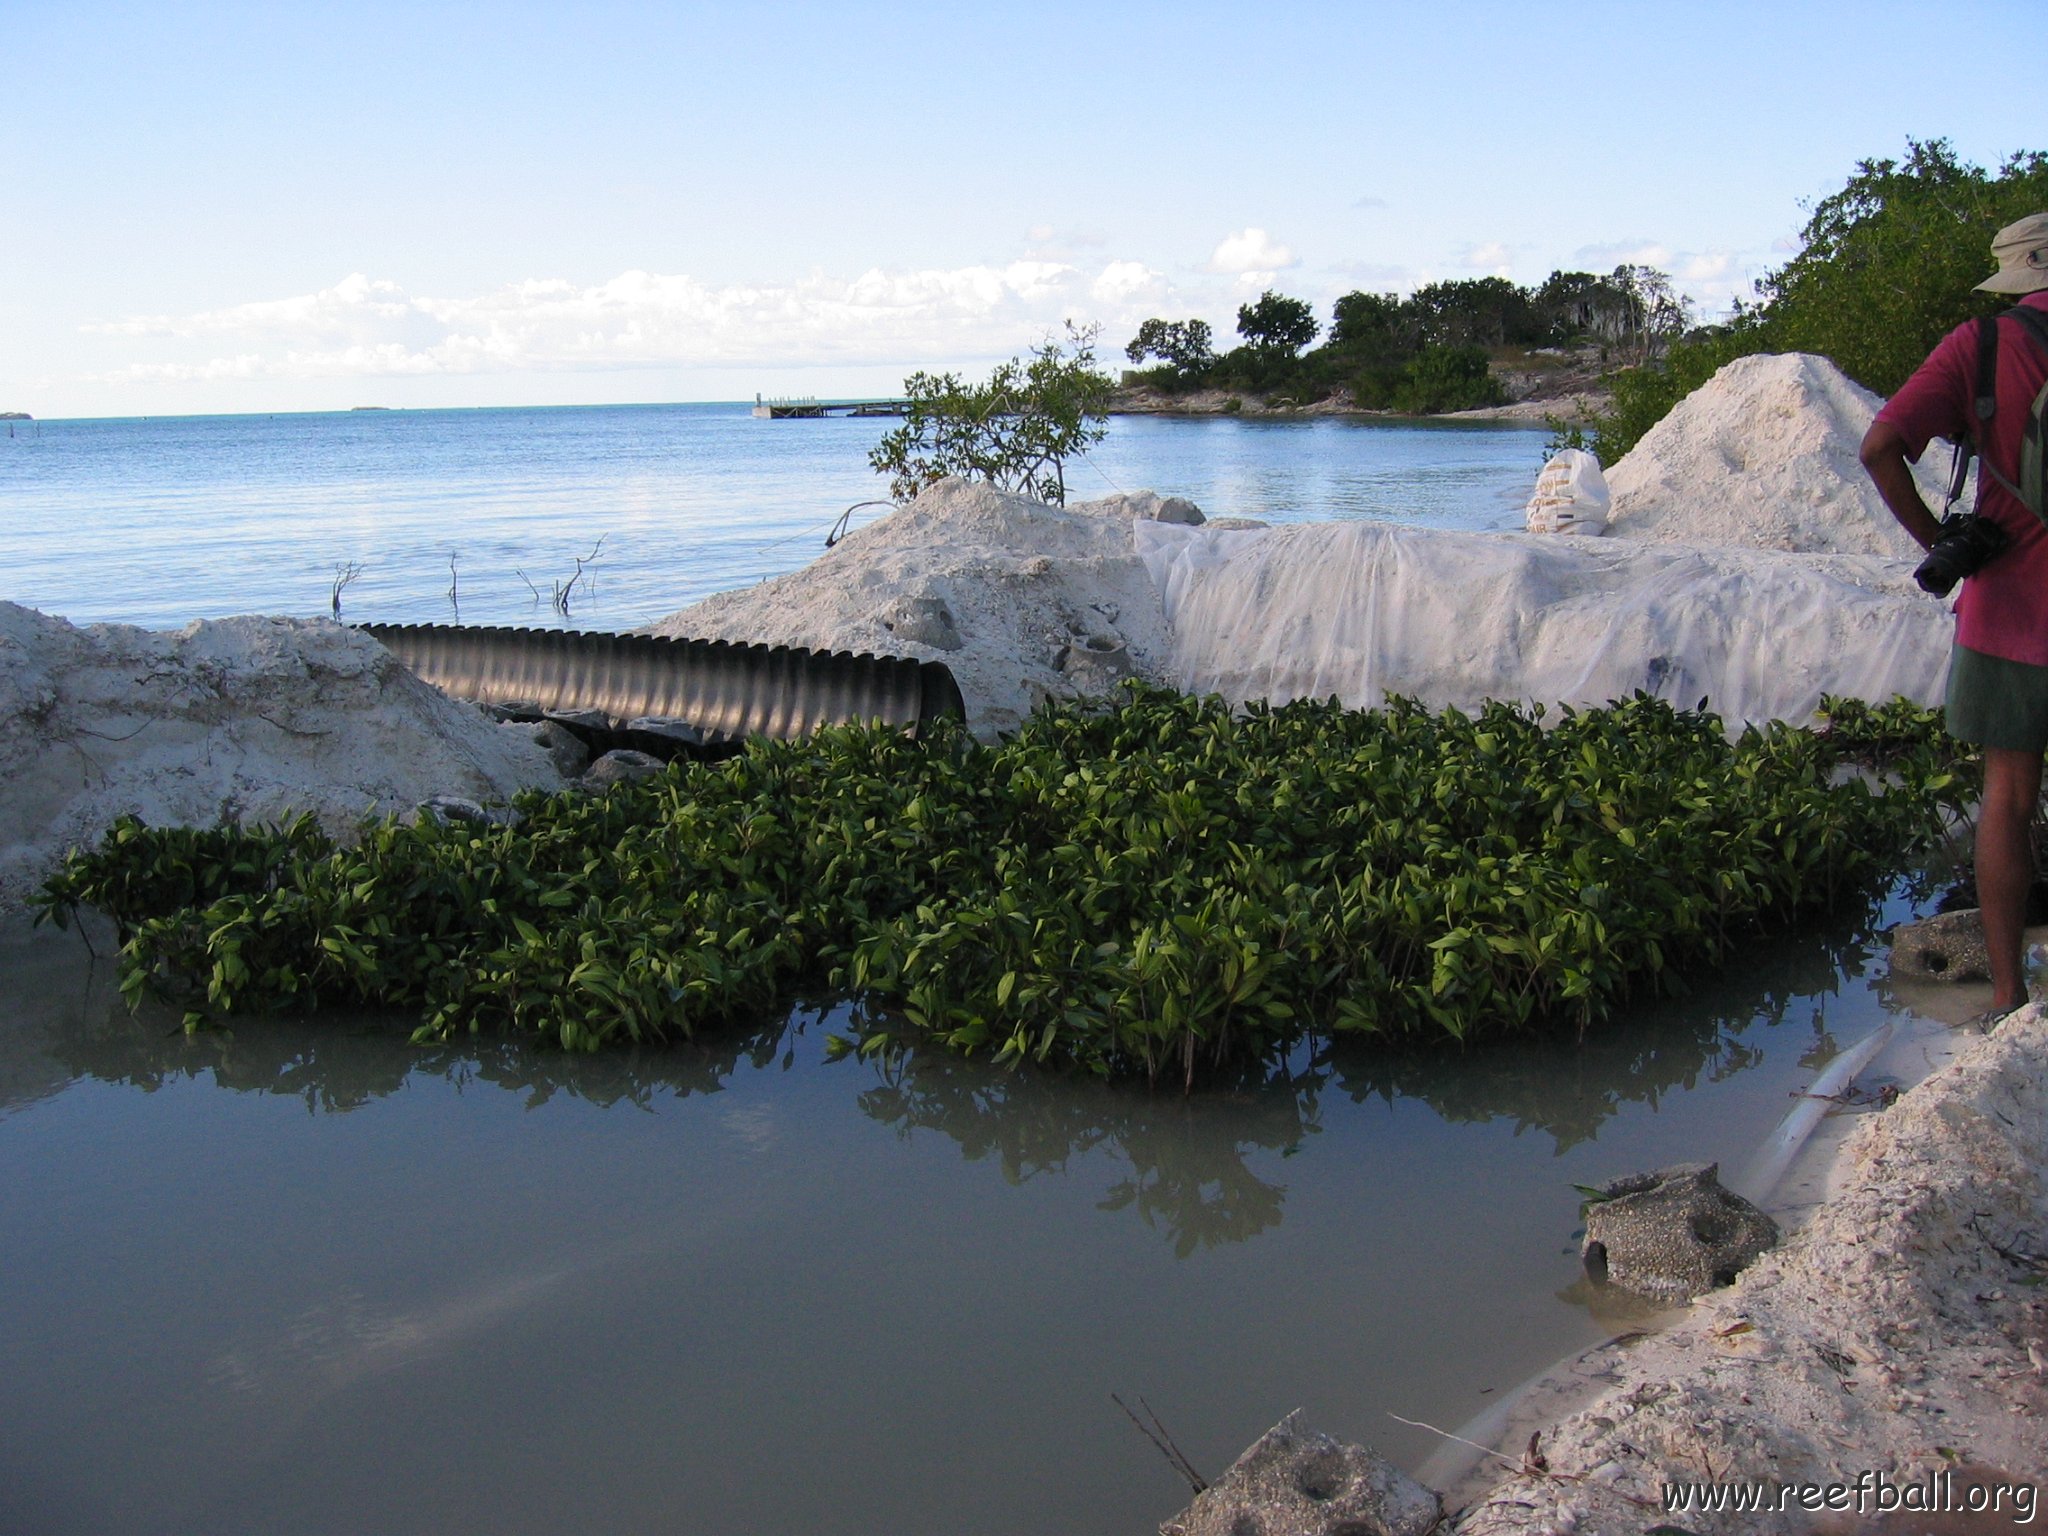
2003	609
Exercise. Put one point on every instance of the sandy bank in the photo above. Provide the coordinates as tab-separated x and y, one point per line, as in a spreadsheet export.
245	719
1898	1332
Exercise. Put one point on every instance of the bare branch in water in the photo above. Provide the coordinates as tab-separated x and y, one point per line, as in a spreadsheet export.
345	572
1164	1441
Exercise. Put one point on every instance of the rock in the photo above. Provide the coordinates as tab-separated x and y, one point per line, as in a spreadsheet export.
923	621
625	766
1144	506
1946	947
681	732
1674	1234
564	747
516	711
1295	1482
581	719
450	809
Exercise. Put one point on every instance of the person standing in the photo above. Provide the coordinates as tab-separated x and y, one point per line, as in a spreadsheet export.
1998	670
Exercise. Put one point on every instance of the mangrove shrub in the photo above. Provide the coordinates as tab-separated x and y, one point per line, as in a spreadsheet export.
1151	888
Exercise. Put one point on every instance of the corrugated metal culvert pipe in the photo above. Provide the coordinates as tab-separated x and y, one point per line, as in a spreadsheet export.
646	686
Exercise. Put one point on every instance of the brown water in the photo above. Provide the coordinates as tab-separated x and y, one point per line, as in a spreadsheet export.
309	1278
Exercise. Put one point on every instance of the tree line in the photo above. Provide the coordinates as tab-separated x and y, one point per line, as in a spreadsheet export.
1425	353
1885	268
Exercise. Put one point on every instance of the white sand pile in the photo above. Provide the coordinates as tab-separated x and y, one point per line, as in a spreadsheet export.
1021	600
245	719
1764	454
1024	601
1901	1332
1361	610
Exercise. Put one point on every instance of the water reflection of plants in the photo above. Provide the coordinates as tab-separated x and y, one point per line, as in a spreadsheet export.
1179	1163
1203	1169
1666	1047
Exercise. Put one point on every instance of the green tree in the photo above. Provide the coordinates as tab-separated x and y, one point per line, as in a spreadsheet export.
1887	266
1473	312
1566	304
1276	324
1183	345
1016	431
1636	311
1447	379
1371	325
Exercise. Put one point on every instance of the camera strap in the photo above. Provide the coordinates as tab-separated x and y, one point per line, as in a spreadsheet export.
1985	405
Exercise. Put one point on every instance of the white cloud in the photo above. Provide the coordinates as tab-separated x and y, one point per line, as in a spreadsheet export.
1632	253
1369	201
372	327
343	308
1122	281
1490	257
1705	267
1252	253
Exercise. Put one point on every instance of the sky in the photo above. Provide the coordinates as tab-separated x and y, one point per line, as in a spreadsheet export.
219	208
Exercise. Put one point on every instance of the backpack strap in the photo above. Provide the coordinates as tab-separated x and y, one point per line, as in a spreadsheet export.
2034	325
1987	368
2034	322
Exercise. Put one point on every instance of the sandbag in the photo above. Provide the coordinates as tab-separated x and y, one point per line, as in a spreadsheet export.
1571	495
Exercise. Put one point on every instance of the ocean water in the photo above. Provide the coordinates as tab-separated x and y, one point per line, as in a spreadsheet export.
161	520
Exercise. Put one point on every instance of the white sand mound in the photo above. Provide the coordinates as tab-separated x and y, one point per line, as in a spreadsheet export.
1024	601
1021	600
1764	454
1362	610
1900	1332
247	719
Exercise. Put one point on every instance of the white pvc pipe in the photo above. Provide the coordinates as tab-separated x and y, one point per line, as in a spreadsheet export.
1760	1180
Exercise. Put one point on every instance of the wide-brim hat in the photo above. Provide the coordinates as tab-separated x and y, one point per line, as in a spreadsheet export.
2022	252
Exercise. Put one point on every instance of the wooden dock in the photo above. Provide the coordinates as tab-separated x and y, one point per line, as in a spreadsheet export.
809	408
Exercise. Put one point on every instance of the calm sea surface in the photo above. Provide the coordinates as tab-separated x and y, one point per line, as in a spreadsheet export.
161	520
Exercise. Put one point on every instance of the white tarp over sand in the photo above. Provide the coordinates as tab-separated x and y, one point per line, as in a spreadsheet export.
1358	610
1363	610
248	719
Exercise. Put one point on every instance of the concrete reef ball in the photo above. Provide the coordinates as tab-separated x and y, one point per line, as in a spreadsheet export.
1296	1482
1946	947
925	621
1672	1235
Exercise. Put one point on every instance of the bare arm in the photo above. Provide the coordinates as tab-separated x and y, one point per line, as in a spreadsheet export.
1884	458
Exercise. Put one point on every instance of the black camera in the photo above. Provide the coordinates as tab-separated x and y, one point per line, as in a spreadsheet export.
1966	544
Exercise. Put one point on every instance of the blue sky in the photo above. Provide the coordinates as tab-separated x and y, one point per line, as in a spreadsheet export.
224	208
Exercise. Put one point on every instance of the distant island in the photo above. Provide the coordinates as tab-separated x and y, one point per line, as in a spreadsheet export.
15	416
369	407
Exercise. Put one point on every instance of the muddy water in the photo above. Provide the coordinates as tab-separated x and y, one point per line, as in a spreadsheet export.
307	1277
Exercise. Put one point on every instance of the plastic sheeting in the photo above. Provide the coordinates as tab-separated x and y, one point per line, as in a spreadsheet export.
1363	610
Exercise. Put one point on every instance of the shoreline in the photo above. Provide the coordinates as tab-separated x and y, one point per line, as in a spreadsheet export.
1891	1332
1572	409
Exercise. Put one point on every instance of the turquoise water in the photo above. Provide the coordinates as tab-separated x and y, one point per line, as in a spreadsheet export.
161	520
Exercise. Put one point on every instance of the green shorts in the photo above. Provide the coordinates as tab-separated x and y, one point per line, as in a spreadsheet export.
1993	702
